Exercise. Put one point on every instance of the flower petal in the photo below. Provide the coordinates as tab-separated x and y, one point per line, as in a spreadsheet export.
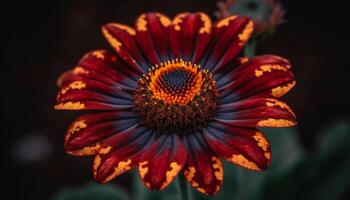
121	152
88	94
162	161
96	84
100	61
247	148
123	40
152	36
256	112
262	76
229	37
102	66
190	34
85	134
204	170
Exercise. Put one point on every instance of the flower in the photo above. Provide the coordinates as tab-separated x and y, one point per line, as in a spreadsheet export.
266	14
175	98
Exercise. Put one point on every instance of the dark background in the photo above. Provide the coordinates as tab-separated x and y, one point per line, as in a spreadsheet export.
44	39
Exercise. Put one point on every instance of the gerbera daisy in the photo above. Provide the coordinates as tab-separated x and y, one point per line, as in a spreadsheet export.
175	99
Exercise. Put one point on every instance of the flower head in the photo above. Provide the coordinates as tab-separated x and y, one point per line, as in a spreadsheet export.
175	99
266	14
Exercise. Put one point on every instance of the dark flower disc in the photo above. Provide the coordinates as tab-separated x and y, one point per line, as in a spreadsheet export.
176	96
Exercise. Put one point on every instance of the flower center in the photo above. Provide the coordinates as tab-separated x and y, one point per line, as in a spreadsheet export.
176	96
175	82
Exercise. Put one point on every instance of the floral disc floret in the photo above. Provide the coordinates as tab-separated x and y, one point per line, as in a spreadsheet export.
176	96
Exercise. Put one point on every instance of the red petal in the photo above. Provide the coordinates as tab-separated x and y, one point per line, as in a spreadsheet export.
229	37
190	34
256	112
92	95
152	36
85	134
96	84
204	170
123	39
162	161
120	153
263	76
99	65
247	148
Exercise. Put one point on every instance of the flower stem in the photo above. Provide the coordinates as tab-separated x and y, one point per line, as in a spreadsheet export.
185	193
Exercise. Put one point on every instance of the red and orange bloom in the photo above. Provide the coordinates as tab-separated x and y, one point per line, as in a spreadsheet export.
175	98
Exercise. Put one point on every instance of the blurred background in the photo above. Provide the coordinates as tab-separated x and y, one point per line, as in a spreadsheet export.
44	39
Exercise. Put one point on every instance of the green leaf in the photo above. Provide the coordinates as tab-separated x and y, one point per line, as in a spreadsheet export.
323	174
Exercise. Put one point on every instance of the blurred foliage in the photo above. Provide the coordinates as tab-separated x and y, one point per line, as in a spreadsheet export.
92	191
294	174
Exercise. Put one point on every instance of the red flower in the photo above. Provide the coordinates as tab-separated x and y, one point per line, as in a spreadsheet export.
175	99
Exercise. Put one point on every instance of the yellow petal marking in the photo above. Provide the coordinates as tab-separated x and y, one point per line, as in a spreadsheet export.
206	24
248	30
143	169
217	165
281	90
226	21
141	23
121	167
99	54
164	20
170	174
267	155
123	27
189	174
179	19
105	150
70	106
274	102
244	162
86	151
268	68
75	127
195	184
243	60
275	123
202	190
97	163
80	70
262	142
76	85
112	40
